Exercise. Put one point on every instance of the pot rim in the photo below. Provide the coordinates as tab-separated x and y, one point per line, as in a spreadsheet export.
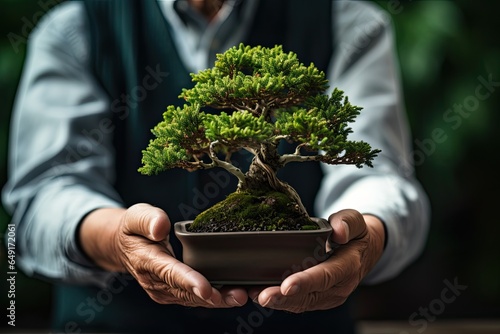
181	229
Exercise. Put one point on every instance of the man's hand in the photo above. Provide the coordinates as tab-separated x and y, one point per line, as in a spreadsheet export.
328	284
136	240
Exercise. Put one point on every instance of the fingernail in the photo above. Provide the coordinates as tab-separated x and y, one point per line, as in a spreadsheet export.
256	299
346	226
230	300
197	292
269	302
292	290
152	229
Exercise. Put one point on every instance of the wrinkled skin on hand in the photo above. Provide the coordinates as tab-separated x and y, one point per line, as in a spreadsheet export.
329	284
143	249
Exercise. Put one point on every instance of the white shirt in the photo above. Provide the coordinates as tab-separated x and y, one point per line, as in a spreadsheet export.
53	184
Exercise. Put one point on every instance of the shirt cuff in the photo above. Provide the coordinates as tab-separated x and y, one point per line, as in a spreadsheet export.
79	267
47	227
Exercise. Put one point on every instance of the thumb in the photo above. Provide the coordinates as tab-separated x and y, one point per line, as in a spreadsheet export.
148	221
347	225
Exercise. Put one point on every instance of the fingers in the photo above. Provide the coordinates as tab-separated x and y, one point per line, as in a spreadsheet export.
272	298
347	225
168	281
323	286
181	278
149	258
147	221
179	275
327	284
234	296
317	278
266	296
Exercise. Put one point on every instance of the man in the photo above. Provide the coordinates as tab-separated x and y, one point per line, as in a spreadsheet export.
97	77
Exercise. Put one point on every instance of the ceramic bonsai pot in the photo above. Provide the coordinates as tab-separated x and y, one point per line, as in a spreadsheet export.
253	258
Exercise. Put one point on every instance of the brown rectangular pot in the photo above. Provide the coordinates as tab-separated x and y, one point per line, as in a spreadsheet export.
263	257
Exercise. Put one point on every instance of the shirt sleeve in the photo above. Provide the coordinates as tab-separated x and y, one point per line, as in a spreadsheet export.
364	66
60	158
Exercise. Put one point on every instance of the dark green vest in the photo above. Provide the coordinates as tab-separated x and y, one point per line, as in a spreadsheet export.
135	61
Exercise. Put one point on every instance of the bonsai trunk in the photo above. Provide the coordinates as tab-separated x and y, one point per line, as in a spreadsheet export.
261	176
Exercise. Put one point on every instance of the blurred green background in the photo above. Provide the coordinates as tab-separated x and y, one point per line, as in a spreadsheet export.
446	50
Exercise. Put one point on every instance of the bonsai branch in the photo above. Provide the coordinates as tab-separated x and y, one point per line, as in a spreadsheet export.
224	164
297	149
352	158
296	157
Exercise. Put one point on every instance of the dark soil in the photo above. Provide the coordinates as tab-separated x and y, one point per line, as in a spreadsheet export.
244	211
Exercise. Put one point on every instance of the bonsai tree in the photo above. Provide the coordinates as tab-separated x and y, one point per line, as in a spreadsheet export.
271	97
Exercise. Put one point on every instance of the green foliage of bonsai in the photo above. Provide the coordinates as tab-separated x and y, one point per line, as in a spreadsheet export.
273	97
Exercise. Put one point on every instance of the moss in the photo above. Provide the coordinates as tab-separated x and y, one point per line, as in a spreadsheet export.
252	211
